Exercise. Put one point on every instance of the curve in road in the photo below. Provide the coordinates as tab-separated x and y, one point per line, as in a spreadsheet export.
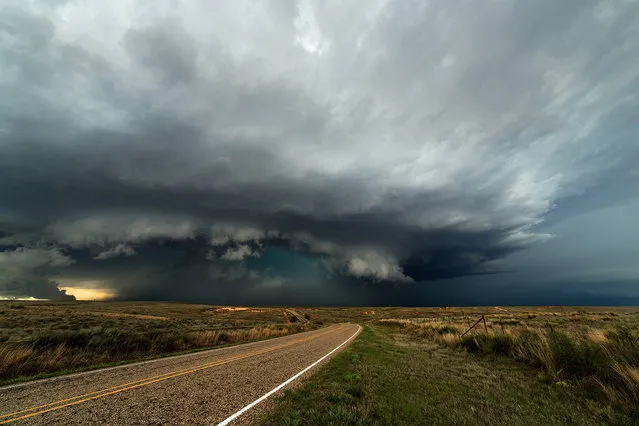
203	387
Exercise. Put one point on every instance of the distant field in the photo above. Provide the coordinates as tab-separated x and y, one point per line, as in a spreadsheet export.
42	338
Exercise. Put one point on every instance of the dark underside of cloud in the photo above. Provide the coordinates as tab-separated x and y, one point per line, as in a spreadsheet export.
399	153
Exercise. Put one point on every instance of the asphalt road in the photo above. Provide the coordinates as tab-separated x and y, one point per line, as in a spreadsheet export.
199	388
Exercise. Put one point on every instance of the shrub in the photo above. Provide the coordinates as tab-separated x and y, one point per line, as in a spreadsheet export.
624	346
534	349
489	344
447	329
580	358
223	337
501	344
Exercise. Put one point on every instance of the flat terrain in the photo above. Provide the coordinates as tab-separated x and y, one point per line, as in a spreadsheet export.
200	388
519	365
39	339
527	366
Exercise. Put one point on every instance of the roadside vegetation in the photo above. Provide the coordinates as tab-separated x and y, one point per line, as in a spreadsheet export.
543	365
598	352
527	366
39	339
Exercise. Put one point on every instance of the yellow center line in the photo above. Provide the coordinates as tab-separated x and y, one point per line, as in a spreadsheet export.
143	382
154	377
189	369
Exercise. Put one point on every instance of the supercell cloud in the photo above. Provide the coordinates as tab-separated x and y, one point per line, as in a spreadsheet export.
311	152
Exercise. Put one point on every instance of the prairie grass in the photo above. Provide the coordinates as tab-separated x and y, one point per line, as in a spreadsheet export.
603	361
597	336
380	380
64	350
43	338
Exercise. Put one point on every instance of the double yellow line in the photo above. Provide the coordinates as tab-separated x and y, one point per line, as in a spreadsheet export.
79	399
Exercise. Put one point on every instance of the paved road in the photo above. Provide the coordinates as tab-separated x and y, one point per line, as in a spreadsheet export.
199	388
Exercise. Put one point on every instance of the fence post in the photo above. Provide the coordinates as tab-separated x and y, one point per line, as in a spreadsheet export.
473	326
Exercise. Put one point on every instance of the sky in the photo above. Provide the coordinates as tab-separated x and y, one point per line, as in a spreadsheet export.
380	152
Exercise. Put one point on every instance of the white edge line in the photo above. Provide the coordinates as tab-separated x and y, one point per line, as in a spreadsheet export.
272	391
166	357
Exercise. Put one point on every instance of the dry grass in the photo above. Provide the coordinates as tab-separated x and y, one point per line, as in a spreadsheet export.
206	338
597	350
597	336
380	380
231	309
40	338
13	358
449	339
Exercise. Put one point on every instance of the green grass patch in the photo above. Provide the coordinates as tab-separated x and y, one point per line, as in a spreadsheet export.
389	377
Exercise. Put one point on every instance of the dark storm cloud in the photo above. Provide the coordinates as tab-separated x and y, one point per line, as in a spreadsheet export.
163	147
24	272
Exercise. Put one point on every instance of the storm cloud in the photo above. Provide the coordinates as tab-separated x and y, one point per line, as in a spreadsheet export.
305	151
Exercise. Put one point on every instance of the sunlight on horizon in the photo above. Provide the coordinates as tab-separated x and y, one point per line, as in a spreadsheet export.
87	289
81	293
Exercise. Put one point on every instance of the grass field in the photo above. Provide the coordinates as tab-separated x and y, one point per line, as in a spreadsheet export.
597	349
536	365
38	339
526	366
